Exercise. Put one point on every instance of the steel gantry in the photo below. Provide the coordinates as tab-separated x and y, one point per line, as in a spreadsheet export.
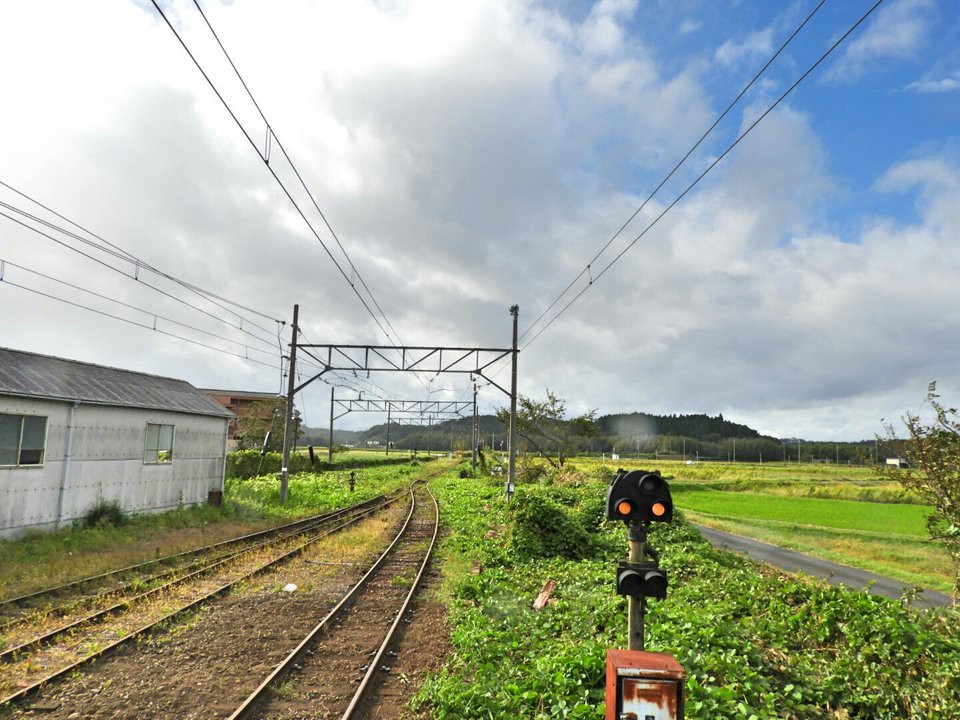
477	362
387	358
404	407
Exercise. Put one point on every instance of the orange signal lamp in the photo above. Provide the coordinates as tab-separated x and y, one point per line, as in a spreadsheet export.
658	509
624	507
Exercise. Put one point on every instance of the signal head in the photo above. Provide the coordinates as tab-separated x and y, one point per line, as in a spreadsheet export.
639	497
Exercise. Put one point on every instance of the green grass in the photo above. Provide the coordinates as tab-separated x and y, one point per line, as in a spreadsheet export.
879	518
316	492
44	559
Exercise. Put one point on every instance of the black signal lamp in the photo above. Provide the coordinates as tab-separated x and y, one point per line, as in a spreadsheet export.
641	580
639	497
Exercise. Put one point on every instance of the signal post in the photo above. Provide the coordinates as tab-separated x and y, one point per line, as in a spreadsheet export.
641	685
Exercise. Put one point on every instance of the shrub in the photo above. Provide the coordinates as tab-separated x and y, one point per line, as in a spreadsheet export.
105	513
542	527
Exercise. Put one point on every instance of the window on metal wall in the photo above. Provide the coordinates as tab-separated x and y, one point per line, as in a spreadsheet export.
23	439
158	445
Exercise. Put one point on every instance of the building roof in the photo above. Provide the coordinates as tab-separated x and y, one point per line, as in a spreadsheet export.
43	376
246	394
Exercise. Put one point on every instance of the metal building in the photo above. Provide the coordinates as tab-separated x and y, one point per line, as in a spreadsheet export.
73	434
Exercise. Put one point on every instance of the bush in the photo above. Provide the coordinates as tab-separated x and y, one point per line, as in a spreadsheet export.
105	513
542	527
529	471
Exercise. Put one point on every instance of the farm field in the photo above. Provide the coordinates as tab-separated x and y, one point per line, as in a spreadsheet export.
754	643
847	514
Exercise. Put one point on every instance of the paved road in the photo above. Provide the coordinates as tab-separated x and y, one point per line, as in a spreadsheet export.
833	573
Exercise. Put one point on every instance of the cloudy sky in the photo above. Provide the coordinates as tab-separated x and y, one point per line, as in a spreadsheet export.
474	155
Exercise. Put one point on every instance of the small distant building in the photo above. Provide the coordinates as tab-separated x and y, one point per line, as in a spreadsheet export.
239	402
73	434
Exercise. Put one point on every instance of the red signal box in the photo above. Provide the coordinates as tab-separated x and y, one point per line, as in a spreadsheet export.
643	686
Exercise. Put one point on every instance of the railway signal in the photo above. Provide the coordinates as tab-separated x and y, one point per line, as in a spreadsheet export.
641	684
640	580
639	497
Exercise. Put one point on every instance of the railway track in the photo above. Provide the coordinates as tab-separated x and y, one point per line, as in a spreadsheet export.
60	600
328	674
40	653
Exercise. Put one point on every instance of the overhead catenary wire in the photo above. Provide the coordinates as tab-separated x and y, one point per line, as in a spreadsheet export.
270	169
107	265
271	138
133	322
709	167
139	262
676	167
150	313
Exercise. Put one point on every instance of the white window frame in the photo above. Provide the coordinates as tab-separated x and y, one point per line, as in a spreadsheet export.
19	449
161	454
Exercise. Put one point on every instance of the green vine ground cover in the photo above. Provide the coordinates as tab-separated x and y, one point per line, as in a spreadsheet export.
754	644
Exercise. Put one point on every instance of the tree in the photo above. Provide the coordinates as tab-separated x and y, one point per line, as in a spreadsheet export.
262	417
544	424
933	453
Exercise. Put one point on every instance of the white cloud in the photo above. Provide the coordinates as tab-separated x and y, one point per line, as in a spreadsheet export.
688	27
470	156
756	45
897	32
932	86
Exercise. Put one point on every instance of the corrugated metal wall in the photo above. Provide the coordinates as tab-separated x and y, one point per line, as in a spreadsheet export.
107	464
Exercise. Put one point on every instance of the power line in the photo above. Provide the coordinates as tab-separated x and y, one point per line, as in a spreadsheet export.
703	174
272	137
272	172
129	257
676	167
155	316
117	270
134	322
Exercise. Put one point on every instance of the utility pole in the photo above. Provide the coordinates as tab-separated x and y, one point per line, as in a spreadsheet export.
474	435
429	429
330	442
288	415
388	428
512	472
734	450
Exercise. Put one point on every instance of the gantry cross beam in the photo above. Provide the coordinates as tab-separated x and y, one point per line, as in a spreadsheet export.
388	358
420	407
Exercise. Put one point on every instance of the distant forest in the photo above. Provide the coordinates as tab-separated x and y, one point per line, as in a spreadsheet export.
691	437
